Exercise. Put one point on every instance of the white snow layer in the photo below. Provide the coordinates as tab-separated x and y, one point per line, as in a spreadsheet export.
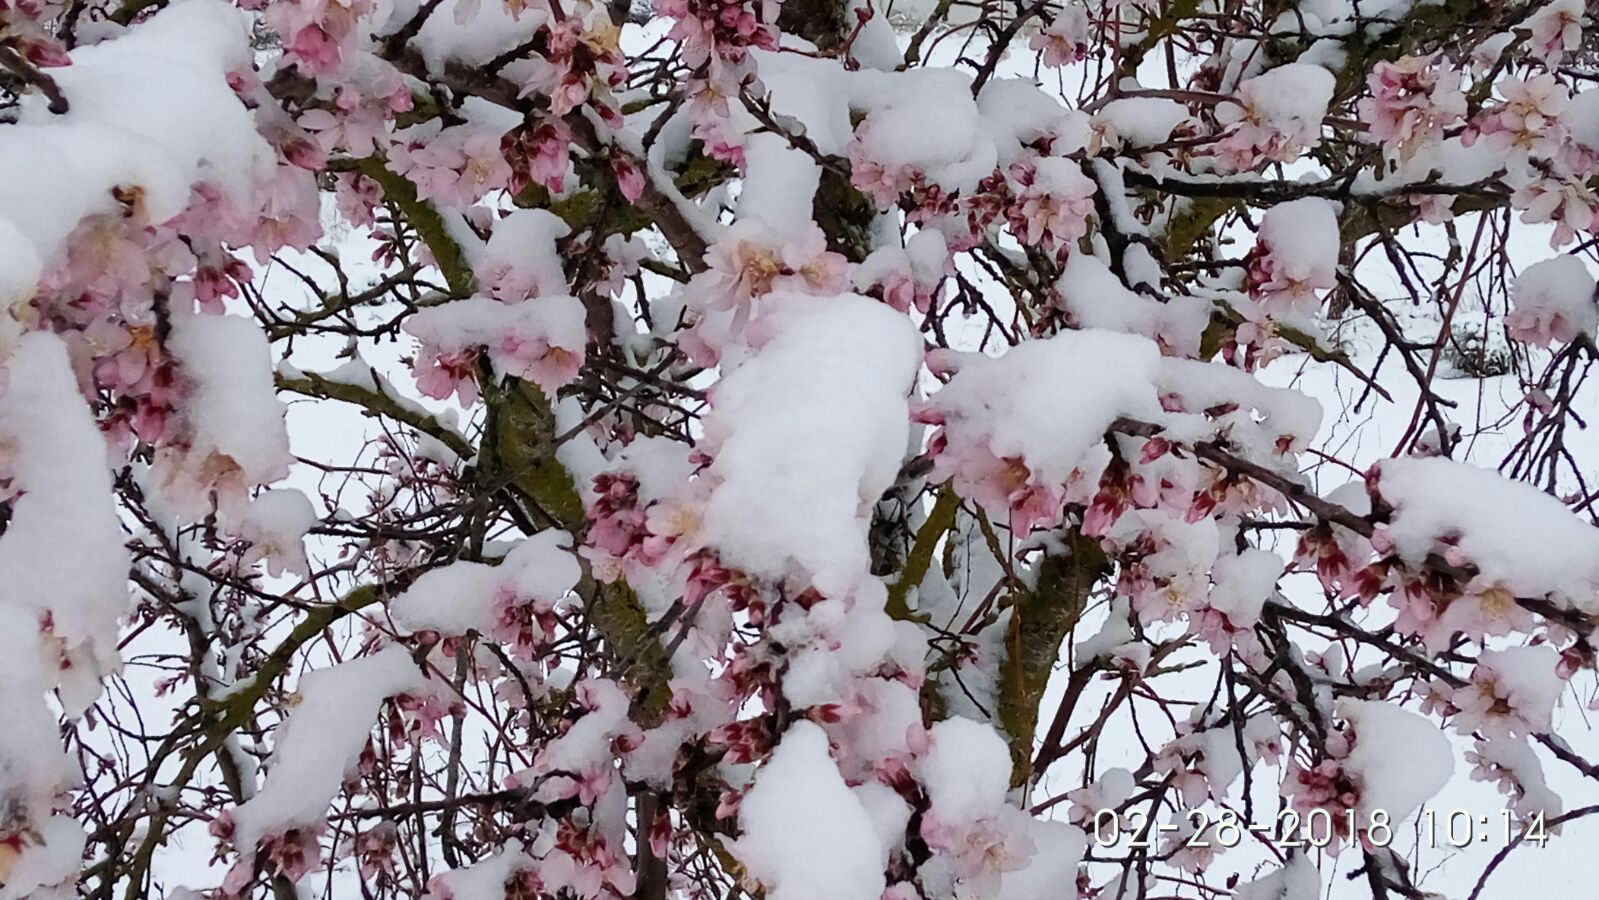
1400	759
62	552
1049	401
322	739
1512	532
800	800
62	562
234	410
460	597
815	424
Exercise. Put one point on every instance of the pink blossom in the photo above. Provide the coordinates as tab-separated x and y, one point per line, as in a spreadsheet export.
538	155
1325	786
1295	259
1552	301
1412	101
979	851
719	32
107	256
889	274
359	119
420	716
292	852
1529	118
317	33
1434	209
524	623
565	89
1486	608
456	168
357	198
289	215
1001	484
541	359
25	29
629	537
743	268
1247	145
295	145
212	217
629	180
314	49
374	850
449	373
623	255
127	355
1570	204
1540	328
589	784
1288	284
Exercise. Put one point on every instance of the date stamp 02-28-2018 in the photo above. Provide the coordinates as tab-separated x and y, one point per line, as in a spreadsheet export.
1319	828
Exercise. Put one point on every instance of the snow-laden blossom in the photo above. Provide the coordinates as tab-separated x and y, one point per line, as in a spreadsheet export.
1512	766
746	265
882	182
1164	561
1275	117
541	340
1512	692
990	442
522	623
1065	39
1296	258
1375	769
779	571
522	258
1053	201
1553	300
1556	30
274	529
905	277
1109	791
624	255
1003	483
979	853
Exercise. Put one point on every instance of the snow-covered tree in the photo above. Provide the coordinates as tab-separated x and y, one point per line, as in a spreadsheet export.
800	449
